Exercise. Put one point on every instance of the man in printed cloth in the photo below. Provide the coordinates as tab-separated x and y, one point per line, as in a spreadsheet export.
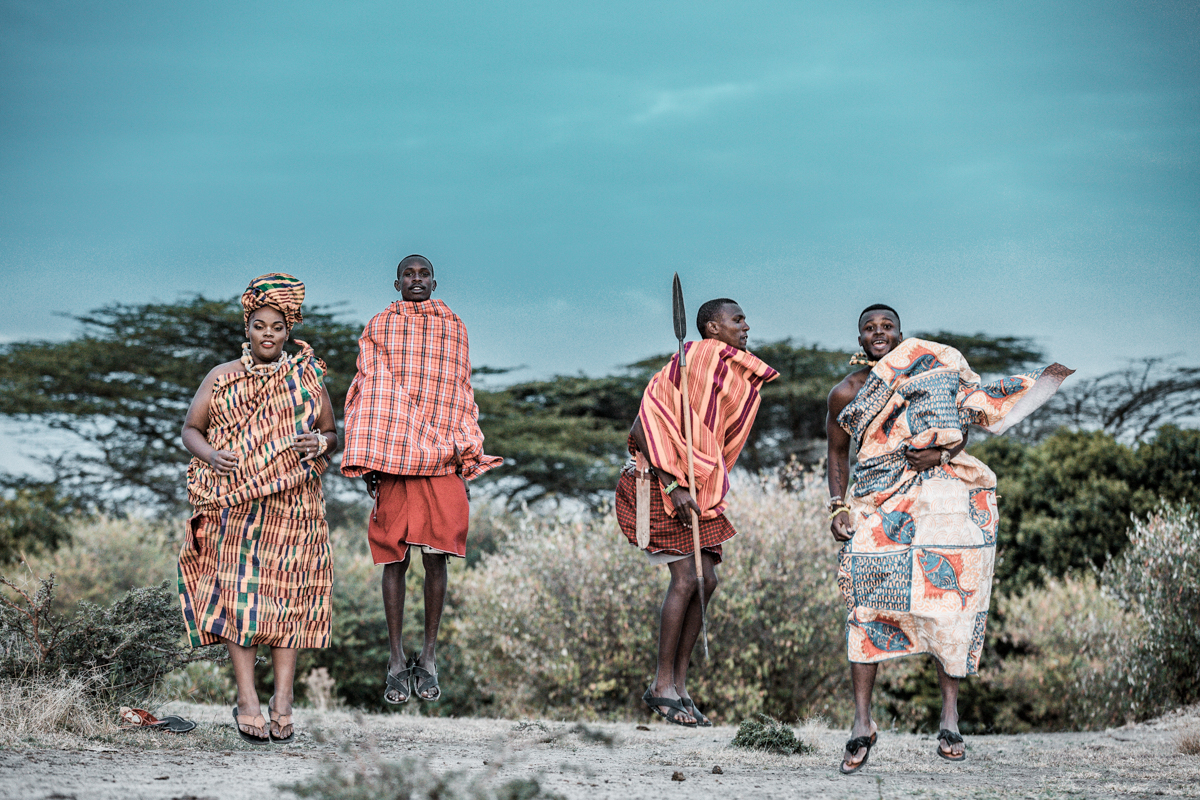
724	380
919	523
412	434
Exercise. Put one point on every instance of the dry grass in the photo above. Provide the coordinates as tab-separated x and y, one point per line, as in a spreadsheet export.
37	708
1189	743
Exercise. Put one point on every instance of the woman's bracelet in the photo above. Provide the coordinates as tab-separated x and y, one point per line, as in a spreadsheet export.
324	445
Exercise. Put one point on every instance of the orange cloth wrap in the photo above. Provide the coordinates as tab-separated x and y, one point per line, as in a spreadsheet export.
418	512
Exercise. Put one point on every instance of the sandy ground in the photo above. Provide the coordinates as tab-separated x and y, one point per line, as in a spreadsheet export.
211	762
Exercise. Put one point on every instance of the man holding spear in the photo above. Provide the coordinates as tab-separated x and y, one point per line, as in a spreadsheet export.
693	420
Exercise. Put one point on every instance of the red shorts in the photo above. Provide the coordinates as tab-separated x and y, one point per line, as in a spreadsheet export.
418	511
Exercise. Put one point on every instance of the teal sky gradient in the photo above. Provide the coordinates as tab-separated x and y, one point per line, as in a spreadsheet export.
1017	168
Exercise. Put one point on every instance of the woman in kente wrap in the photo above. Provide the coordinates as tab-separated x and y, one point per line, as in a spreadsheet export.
919	522
255	564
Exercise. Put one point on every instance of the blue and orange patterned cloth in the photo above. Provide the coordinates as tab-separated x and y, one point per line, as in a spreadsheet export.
917	575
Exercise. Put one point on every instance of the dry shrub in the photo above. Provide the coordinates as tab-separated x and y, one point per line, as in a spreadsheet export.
35	707
562	620
762	732
1189	743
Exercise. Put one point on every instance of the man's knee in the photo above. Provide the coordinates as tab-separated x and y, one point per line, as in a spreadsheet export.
433	561
396	569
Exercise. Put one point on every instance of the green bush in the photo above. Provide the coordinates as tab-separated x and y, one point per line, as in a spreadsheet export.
1157	579
562	620
762	732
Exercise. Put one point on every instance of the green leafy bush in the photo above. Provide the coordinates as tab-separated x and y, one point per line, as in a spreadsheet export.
562	620
762	732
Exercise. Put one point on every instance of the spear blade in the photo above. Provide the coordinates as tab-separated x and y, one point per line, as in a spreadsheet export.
678	315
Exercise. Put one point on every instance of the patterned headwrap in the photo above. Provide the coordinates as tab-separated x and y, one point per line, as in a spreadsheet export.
278	290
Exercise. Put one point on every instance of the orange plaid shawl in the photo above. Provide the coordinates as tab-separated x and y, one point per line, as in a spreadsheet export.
411	404
723	387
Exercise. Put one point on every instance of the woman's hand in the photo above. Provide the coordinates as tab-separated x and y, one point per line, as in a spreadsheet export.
308	445
682	499
840	527
921	460
223	462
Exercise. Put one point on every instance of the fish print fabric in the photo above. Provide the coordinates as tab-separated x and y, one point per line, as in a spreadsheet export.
255	566
917	575
410	407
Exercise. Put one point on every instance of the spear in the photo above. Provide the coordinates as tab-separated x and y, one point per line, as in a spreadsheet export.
680	319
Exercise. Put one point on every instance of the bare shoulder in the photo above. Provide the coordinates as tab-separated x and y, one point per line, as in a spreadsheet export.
846	389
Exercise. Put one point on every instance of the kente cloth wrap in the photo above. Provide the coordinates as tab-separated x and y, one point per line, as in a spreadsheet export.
278	290
410	406
255	567
917	574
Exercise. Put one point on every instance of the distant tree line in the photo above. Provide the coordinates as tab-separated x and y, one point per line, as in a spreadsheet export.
121	388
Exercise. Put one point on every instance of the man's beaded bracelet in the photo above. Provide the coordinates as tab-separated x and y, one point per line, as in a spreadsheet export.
672	486
839	510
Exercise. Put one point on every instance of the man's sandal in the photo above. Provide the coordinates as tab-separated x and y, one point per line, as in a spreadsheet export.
400	683
951	738
853	746
282	720
701	720
673	716
255	721
425	681
140	718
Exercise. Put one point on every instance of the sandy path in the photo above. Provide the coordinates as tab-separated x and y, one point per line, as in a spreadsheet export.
211	762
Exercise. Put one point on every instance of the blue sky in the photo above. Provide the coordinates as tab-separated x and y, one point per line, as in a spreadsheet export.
1016	168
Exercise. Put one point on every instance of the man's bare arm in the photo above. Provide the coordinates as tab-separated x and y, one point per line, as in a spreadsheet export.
838	457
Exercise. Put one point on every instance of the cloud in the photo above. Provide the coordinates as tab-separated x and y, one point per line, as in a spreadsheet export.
692	102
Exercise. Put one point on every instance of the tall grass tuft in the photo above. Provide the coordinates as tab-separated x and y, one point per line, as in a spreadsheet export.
33	707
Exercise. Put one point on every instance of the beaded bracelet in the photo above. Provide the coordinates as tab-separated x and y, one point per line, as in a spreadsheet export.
672	486
839	510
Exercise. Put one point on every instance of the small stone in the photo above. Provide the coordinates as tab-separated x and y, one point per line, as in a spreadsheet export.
677	776
718	771
643	727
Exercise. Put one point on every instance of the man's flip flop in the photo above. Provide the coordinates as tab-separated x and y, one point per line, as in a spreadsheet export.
853	746
950	738
140	718
677	709
701	720
401	684
256	721
425	681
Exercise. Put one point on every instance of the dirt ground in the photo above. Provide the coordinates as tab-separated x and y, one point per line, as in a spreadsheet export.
211	762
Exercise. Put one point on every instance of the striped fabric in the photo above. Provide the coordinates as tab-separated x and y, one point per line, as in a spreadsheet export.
278	290
723	387
411	404
255	567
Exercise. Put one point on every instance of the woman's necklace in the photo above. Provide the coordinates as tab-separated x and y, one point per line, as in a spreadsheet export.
270	368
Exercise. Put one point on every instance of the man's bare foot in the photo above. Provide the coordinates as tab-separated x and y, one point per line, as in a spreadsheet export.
862	738
701	720
670	713
399	687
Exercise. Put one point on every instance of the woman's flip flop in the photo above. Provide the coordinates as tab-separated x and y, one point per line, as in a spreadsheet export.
282	720
256	721
950	738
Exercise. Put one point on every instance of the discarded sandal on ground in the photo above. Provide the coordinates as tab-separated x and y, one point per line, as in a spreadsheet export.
256	721
140	718
424	681
701	720
674	715
400	683
853	746
282	720
951	738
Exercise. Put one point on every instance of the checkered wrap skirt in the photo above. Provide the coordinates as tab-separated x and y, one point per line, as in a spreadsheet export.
667	534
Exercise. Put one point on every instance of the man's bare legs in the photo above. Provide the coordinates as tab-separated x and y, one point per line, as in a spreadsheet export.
435	600
862	678
949	687
679	626
394	575
692	623
283	663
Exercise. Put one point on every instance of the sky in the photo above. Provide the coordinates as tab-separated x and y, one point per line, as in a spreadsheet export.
1026	169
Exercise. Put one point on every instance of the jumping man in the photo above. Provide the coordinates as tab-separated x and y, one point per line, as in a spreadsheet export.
412	434
724	379
919	523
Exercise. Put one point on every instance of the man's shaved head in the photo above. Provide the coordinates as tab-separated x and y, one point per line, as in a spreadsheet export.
878	307
709	311
408	261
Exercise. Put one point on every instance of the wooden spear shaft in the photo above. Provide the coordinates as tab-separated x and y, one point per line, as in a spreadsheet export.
691	459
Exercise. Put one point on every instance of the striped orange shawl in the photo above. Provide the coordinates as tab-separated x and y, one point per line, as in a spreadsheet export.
723	387
258	417
411	404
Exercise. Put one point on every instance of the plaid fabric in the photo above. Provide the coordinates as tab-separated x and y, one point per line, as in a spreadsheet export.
667	534
411	404
255	564
723	388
